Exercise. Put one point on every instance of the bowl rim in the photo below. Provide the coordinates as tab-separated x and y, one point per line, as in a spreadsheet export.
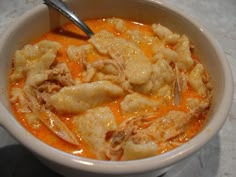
125	167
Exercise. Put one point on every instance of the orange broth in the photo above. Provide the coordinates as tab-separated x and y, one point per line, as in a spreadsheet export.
69	34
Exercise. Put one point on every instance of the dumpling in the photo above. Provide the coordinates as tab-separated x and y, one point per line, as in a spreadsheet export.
162	75
79	53
34	57
165	34
134	151
119	24
79	98
182	47
93	126
138	68
136	103
196	81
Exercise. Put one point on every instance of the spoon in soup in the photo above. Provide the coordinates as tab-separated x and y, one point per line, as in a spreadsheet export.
61	7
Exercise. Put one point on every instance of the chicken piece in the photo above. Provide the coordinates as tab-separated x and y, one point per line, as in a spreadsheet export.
59	128
79	98
92	127
40	57
40	85
121	143
137	103
137	65
61	74
168	126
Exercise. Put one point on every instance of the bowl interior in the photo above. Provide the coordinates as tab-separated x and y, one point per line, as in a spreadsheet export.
40	20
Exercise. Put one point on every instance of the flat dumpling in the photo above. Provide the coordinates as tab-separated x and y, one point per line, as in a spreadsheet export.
136	103
134	151
182	47
79	98
34	57
195	79
79	53
165	34
162	75
92	127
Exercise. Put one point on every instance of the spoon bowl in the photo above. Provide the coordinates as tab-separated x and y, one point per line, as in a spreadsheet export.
61	7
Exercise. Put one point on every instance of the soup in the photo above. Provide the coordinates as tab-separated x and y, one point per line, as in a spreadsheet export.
131	91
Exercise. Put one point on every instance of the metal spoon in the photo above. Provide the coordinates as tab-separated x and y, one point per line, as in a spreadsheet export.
61	7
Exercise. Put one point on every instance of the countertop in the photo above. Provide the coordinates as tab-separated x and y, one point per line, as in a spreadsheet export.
218	157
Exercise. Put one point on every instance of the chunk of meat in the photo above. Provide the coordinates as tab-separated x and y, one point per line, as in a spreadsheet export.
169	126
92	127
137	103
79	98
40	85
137	65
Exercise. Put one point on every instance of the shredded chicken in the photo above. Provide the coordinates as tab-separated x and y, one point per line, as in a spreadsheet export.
147	129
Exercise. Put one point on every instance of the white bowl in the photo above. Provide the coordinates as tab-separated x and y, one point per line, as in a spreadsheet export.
40	20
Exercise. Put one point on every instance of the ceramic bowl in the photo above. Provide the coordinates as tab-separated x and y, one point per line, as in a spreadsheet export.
40	20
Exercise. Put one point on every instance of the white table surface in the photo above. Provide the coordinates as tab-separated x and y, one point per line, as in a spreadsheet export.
217	158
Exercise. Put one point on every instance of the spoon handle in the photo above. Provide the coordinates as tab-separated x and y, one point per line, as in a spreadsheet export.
60	6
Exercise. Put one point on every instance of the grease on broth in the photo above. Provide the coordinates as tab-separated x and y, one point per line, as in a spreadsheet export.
131	91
